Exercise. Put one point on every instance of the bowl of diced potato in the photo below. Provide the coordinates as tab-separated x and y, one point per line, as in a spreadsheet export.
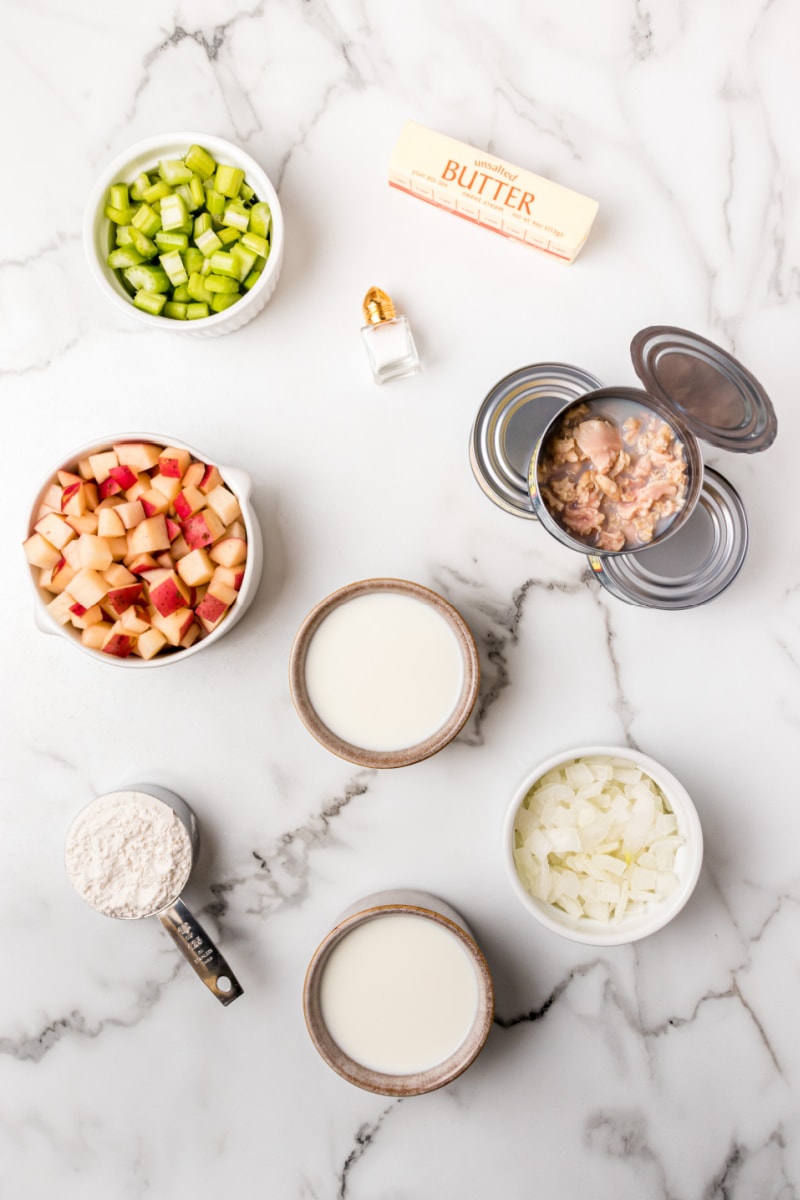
184	232
142	550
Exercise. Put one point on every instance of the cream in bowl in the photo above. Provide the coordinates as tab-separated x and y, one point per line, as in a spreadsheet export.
143	550
384	672
184	231
398	998
603	845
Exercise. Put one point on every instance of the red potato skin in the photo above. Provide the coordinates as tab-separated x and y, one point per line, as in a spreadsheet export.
124	597
110	487
173	529
167	597
119	646
210	608
124	476
196	532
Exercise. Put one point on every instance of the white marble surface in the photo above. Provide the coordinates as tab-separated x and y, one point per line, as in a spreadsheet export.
670	1069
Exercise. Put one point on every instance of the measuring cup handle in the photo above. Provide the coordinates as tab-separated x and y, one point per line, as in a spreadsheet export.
196	946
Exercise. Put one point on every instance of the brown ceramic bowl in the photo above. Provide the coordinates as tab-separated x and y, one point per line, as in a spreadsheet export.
420	904
384	758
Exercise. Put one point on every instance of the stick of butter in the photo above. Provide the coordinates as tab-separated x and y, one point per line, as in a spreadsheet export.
493	193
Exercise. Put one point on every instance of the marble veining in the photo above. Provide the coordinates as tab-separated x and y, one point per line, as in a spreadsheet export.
668	1069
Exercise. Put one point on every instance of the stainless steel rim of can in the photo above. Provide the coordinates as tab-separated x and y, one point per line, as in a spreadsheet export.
512	419
693	566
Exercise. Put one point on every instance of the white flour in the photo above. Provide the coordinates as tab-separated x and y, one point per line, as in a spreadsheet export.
128	854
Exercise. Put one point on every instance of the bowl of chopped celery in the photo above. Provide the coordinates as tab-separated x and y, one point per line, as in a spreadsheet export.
184	232
603	845
142	550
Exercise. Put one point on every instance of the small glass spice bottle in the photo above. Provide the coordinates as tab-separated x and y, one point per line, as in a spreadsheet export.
388	339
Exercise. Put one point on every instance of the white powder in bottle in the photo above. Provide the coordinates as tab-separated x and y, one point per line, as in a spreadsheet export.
128	854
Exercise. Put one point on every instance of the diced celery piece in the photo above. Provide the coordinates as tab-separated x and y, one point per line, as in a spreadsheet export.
192	259
221	283
118	195
222	301
256	243
245	258
120	216
201	224
260	219
139	186
195	311
228	180
173	212
147	220
206	267
198	290
215	202
199	160
208	243
246	192
228	235
175	310
174	171
123	257
156	191
236	216
173	265
122	235
184	191
149	302
147	278
252	280
197	191
142	243
187	227
224	264
181	293
171	241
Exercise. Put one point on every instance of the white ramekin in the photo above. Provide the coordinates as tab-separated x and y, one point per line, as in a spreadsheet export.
689	856
143	156
239	483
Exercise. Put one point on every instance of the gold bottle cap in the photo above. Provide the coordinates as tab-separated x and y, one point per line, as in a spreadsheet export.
377	307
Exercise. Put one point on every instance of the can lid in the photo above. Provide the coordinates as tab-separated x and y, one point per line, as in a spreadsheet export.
510	421
693	565
718	398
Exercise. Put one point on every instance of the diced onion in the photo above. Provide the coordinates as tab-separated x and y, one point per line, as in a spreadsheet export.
597	839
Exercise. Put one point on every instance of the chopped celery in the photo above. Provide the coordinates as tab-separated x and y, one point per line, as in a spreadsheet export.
181	294
256	243
122	235
175	310
228	235
194	311
246	192
150	302
252	280
260	219
173	212
228	180
244	258
215	202
224	264
174	170
199	160
118	196
120	216
236	216
185	192
173	265
221	283
147	278
156	191
192	260
171	241
197	289
142	243
197	191
139	186
202	223
147	220
207	243
222	301
124	257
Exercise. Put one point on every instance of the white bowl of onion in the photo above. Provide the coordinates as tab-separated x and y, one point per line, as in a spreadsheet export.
602	845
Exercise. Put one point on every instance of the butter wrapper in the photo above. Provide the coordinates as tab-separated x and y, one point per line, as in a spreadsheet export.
491	192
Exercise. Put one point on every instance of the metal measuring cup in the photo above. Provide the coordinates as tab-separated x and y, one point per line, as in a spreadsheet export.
184	929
